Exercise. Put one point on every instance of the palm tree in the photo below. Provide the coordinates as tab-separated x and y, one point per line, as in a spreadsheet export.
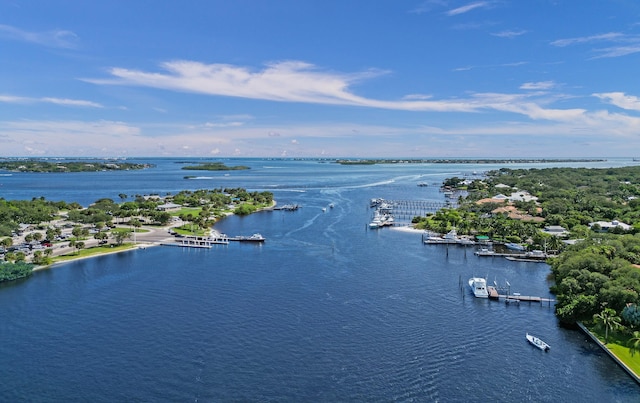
634	343
609	320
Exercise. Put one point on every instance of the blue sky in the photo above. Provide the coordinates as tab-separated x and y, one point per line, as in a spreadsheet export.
329	78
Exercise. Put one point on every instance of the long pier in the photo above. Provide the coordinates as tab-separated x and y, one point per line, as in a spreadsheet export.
406	210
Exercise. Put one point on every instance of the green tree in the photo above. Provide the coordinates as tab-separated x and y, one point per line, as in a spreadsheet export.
631	315
121	235
609	320
7	242
79	245
634	343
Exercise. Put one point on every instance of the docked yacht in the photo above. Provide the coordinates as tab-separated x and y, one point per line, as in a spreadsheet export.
479	287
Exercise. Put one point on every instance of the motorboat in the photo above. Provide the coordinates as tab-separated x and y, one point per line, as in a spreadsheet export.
377	221
537	342
479	287
253	238
515	246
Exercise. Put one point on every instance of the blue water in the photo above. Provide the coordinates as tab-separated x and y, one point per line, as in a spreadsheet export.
325	310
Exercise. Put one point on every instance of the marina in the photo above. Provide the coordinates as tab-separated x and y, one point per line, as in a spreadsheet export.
406	210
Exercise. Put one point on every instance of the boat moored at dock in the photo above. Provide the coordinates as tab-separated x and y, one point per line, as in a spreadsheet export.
479	287
253	238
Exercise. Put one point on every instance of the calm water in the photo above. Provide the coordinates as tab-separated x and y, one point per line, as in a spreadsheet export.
324	310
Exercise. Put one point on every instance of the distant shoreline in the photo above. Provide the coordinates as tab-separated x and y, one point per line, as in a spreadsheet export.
365	161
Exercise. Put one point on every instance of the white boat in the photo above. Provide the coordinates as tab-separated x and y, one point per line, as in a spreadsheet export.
479	287
515	246
375	223
450	237
537	342
253	238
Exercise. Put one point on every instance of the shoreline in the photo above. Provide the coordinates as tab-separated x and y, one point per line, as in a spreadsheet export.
610	353
75	259
141	243
406	228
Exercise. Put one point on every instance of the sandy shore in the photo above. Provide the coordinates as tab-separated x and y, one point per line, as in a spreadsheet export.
408	229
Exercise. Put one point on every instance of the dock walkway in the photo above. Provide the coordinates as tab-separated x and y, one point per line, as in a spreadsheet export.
495	295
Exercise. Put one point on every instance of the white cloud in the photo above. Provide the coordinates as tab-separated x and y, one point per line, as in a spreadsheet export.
302	82
467	8
55	38
622	44
587	39
50	100
509	34
620	100
71	102
289	81
540	85
617	51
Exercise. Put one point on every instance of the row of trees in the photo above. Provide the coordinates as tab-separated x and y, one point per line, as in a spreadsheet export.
211	203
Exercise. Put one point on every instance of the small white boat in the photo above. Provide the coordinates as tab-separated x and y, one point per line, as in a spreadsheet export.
479	287
515	246
537	342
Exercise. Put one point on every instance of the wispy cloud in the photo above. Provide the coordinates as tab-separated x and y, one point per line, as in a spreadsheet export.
427	6
617	51
587	39
491	66
620	99
540	85
50	137
302	82
288	81
57	101
509	34
621	44
55	38
467	8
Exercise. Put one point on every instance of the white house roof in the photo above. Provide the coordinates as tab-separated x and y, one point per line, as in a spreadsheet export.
522	196
606	225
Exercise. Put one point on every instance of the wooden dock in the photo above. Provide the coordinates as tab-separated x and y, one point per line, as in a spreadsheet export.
495	295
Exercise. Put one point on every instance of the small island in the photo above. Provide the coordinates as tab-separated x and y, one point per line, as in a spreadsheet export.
214	166
33	165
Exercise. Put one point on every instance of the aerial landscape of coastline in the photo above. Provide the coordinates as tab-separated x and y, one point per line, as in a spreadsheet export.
35	235
433	200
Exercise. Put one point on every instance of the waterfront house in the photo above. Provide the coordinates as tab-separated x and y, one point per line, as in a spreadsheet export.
606	226
556	230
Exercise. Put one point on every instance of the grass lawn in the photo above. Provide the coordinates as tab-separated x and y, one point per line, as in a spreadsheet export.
618	345
93	251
